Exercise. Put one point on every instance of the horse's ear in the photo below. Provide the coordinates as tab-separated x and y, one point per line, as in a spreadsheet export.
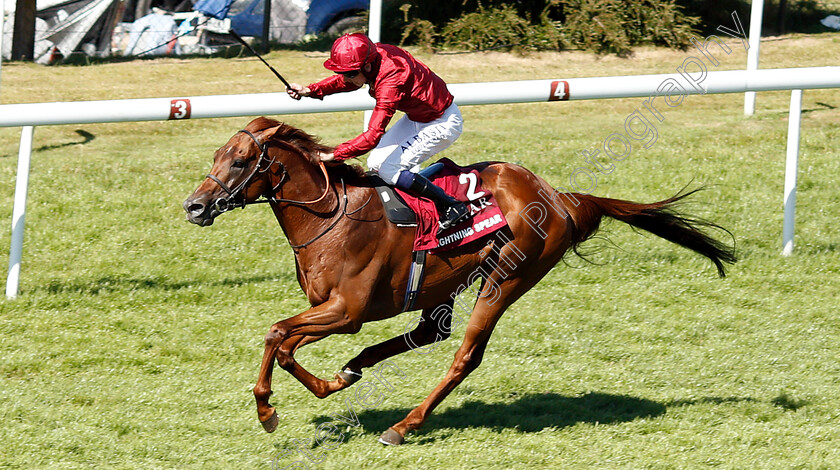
269	133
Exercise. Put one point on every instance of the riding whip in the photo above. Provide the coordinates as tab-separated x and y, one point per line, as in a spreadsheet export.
248	46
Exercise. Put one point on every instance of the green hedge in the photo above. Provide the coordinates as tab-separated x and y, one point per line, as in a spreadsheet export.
603	26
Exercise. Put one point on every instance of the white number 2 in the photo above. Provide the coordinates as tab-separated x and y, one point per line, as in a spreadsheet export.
472	179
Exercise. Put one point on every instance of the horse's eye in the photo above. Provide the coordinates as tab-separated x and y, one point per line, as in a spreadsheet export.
238	163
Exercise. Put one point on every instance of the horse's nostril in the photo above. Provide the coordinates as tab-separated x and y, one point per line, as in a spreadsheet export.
195	208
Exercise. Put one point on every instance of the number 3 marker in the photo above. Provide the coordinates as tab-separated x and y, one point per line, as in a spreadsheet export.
180	109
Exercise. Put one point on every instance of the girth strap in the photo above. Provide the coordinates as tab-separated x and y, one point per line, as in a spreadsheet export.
415	279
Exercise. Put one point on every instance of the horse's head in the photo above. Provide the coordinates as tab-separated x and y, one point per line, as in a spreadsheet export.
252	164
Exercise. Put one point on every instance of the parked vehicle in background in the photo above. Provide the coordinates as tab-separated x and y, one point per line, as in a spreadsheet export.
100	28
291	19
206	27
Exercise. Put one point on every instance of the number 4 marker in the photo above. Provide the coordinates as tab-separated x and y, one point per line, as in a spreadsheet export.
559	91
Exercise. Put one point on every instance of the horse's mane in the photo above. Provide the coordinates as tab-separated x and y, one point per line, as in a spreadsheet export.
309	145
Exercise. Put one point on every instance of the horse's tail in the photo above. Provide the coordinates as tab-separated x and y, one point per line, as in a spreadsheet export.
659	218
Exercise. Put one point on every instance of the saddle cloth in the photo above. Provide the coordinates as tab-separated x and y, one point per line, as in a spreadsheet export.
465	185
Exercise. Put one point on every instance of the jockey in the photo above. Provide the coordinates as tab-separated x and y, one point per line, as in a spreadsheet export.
398	82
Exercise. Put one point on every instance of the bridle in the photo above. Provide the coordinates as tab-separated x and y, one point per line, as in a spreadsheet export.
236	198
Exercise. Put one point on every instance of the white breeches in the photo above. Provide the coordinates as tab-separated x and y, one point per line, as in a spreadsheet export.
407	143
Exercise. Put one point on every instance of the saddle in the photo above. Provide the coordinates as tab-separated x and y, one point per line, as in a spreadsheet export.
409	210
396	209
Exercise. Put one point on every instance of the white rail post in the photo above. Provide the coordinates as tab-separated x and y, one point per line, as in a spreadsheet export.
756	15
19	211
2	18
375	21
791	167
374	33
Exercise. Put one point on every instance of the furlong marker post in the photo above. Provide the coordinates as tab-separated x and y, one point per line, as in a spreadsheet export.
374	27
756	15
2	18
527	91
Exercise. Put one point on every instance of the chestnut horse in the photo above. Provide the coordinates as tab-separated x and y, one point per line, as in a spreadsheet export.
353	264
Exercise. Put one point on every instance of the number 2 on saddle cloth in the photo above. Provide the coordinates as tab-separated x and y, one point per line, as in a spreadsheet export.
464	185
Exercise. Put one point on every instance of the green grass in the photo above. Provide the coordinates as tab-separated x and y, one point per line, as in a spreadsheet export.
137	337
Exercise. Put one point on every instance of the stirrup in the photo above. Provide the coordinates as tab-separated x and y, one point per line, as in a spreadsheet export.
454	215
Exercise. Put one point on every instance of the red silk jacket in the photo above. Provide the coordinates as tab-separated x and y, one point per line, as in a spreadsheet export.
400	83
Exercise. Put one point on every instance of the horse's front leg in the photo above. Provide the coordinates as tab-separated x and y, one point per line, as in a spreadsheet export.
281	342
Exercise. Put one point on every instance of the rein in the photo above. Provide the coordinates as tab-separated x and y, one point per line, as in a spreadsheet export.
236	199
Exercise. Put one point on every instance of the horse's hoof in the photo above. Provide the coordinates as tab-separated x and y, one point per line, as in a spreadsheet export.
391	438
271	423
348	376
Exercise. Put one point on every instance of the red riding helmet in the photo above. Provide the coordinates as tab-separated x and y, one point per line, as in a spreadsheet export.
351	52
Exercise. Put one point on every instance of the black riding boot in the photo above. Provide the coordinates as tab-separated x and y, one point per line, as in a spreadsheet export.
451	210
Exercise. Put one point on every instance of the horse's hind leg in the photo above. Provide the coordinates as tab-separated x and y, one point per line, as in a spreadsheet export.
434	326
483	319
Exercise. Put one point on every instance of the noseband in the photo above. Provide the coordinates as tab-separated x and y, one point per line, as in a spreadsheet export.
235	197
